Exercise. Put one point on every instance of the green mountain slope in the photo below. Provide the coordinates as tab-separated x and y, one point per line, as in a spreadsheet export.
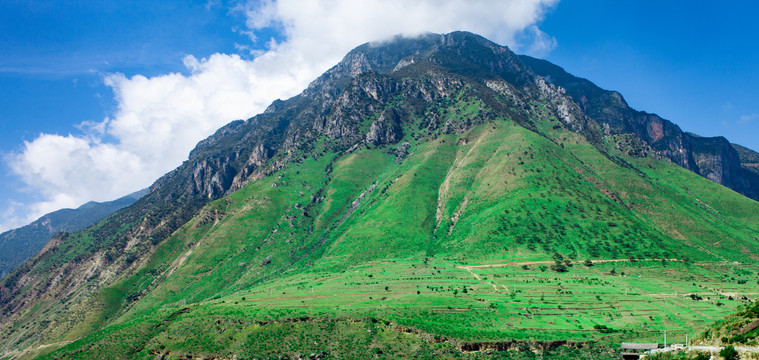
447	204
313	272
714	158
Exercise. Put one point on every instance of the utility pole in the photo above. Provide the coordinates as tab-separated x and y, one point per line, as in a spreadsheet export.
665	338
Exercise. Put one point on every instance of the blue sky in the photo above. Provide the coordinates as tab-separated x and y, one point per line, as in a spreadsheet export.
93	93
693	63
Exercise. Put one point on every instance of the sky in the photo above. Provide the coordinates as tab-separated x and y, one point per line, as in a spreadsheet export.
100	98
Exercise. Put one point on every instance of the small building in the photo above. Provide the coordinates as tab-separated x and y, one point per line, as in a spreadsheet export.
633	351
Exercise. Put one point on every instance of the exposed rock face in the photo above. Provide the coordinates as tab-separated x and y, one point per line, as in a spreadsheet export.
337	109
386	129
711	157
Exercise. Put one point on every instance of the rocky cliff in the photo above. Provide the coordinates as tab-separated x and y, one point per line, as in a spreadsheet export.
714	158
447	84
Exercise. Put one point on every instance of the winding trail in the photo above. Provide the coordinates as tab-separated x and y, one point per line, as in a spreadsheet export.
469	268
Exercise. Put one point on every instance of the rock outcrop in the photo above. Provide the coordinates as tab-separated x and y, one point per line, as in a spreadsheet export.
711	157
447	84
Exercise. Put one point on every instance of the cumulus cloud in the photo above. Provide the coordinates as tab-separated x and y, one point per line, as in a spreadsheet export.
159	119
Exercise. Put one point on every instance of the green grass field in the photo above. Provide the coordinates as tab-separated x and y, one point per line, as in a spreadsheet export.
493	238
455	246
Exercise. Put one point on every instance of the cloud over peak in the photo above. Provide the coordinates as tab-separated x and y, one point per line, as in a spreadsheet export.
159	119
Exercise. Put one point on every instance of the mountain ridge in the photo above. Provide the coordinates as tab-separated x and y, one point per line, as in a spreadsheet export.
18	245
714	158
457	153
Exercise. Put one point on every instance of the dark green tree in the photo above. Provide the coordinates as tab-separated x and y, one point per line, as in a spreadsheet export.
729	353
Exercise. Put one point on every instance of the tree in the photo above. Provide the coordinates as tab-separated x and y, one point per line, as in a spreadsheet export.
588	263
729	353
559	267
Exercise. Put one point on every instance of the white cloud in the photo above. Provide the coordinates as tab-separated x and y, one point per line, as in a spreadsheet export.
537	43
160	119
745	119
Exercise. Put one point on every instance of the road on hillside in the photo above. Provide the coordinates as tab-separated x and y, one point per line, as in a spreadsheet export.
710	349
547	262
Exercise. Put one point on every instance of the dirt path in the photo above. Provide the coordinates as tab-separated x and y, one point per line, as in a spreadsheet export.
710	349
469	268
470	272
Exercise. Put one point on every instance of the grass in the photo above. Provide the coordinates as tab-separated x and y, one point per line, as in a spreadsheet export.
509	302
450	249
456	242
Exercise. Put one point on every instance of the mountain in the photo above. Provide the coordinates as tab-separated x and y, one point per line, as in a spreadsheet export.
711	157
18	245
426	197
749	158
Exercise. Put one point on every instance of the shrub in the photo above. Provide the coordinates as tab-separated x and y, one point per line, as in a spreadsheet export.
603	329
729	353
559	267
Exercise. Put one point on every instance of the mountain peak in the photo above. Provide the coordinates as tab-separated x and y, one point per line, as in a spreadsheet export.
455	50
405	164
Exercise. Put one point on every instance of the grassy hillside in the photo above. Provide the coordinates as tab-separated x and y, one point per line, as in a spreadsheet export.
471	239
739	329
456	206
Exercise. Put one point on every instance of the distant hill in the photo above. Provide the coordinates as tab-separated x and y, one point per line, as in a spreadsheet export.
18	245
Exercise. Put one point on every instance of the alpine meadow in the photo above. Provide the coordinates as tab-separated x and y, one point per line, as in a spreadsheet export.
428	197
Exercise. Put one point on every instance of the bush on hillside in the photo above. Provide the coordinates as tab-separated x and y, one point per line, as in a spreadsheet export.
729	353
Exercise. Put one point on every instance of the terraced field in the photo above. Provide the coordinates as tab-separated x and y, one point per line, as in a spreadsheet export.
492	222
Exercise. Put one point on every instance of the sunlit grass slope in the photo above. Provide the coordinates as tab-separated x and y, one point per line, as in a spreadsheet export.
460	243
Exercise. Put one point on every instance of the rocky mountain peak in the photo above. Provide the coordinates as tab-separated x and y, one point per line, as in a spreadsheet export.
385	100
